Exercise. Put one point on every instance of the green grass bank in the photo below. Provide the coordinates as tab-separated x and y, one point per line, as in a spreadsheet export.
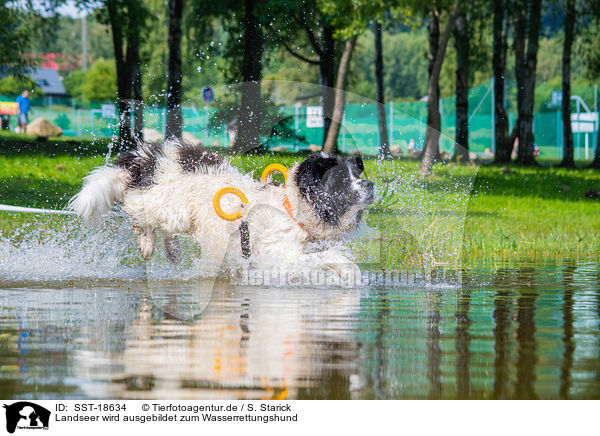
488	212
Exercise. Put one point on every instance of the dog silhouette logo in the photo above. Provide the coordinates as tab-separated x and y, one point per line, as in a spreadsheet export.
26	415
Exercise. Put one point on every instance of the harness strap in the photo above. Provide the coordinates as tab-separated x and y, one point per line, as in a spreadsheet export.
245	239
287	205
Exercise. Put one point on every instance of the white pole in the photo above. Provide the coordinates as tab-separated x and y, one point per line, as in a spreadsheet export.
84	65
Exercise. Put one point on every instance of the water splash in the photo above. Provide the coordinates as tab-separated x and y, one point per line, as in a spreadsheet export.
65	250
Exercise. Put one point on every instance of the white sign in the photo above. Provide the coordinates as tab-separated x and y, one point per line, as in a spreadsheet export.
584	122
556	98
108	111
314	116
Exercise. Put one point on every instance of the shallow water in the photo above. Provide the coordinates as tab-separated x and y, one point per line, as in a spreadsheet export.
527	332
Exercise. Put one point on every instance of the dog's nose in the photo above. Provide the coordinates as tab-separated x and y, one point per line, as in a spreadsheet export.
369	189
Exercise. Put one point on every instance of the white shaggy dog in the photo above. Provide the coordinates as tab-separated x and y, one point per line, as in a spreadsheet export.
171	187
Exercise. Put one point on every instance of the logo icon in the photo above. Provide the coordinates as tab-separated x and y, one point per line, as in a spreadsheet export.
26	415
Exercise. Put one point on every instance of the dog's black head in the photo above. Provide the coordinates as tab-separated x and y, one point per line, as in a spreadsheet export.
333	187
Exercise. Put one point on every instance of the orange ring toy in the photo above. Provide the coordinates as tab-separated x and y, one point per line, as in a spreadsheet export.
217	203
275	167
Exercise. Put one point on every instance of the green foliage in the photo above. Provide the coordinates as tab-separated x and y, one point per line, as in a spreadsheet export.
20	28
66	39
63	121
73	83
99	83
588	49
405	65
15	85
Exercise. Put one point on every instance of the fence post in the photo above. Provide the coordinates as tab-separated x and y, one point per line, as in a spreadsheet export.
557	133
391	125
441	105
296	124
343	131
207	120
595	138
493	117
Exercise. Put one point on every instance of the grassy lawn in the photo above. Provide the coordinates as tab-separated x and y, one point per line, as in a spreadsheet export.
477	213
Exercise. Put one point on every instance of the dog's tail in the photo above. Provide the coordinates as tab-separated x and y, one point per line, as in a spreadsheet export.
101	188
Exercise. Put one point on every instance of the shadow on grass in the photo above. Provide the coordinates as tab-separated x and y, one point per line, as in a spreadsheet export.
544	183
15	144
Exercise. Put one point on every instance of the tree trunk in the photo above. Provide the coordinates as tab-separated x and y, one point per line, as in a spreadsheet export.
434	42
434	122
527	27
461	42
384	146
503	145
568	150
133	56
174	128
248	133
123	76
330	145
327	78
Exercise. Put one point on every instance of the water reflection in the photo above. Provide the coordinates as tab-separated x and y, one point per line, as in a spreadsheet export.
506	333
568	302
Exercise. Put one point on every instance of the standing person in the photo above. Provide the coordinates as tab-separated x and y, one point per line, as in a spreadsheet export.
23	101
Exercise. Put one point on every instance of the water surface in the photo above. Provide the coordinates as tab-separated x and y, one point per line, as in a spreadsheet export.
500	333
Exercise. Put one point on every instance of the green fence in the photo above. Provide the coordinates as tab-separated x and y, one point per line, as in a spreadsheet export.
406	124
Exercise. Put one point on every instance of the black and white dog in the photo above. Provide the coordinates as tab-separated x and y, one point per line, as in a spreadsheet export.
170	188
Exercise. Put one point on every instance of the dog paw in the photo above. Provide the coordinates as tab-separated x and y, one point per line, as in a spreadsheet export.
146	240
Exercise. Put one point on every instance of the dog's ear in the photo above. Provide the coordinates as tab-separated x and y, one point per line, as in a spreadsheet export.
357	163
309	180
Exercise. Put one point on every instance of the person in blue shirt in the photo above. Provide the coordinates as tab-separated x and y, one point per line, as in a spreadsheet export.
23	117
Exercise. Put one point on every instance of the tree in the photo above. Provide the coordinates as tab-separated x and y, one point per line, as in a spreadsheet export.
330	145
15	85
437	51
568	158
384	146
126	19
20	27
305	17
174	127
500	31
591	55
99	82
250	115
461	42
527	17
349	18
